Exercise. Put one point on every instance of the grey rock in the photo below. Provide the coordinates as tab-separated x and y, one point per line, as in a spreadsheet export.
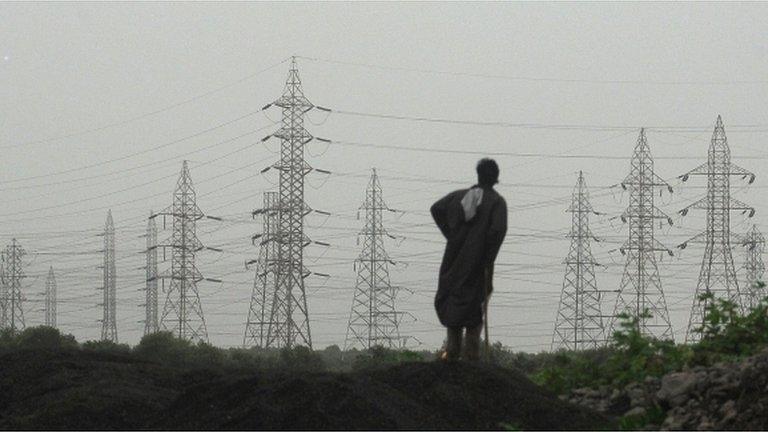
635	412
675	388
637	395
677	419
728	410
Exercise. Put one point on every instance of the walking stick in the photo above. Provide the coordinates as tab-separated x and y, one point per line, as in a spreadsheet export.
485	314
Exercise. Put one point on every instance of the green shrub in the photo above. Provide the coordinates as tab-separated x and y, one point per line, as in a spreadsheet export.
653	417
300	358
105	346
636	356
566	370
727	334
44	337
379	356
163	347
242	358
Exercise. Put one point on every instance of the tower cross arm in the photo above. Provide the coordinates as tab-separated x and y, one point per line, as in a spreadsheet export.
736	170
634	213
702	169
702	204
654	246
736	205
653	181
698	238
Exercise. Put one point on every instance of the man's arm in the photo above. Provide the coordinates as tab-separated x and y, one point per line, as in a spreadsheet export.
439	212
497	229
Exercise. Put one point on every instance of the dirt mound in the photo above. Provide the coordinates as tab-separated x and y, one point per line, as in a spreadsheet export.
408	396
71	389
80	389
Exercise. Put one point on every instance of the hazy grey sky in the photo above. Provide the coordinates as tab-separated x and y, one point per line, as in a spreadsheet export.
603	69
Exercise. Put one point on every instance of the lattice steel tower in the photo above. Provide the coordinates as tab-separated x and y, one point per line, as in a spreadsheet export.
579	322
258	325
14	274
50	299
754	268
373	319
183	312
641	295
289	316
718	274
151	324
109	319
3	293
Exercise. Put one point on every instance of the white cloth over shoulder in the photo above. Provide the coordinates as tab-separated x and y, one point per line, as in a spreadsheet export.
471	201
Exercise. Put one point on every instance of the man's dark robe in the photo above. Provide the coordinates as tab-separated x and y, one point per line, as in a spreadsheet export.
469	255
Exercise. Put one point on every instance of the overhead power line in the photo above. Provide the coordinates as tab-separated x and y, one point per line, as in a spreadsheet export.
146	114
533	78
552	126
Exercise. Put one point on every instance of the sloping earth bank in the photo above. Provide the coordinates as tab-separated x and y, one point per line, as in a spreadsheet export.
74	389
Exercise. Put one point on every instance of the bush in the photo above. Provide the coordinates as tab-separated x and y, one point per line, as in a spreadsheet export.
162	347
727	334
630	357
7	340
379	356
45	337
300	358
105	346
636	356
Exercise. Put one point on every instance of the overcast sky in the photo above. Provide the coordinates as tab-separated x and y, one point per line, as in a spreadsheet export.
100	103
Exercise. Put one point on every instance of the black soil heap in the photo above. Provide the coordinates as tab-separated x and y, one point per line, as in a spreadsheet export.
77	389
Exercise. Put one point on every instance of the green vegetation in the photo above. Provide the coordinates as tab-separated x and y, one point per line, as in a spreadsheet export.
166	349
630	356
726	335
654	416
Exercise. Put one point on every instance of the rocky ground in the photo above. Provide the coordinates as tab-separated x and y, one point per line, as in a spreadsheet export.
727	396
73	389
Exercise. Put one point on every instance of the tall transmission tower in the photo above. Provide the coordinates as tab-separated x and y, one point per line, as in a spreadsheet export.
373	320
183	312
264	285
754	268
109	319
50	299
151	324
289	317
13	275
3	294
718	274
579	322
640	295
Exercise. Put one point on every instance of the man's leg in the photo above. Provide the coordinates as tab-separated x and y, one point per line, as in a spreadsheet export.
472	349
453	348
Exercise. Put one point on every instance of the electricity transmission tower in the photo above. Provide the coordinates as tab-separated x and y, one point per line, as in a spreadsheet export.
13	275
717	278
258	325
50	299
579	322
109	320
150	298
183	312
754	267
373	319
640	295
3	293
289	316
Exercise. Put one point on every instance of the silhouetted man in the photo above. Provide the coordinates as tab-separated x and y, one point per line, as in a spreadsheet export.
474	222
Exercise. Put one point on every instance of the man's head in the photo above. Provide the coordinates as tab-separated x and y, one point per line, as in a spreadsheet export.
487	172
